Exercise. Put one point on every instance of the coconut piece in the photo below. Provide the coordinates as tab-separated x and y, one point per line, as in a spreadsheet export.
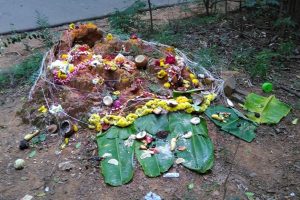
141	135
107	100
229	102
173	144
143	147
113	162
179	161
157	111
141	61
172	103
51	128
188	135
195	120
106	155
181	148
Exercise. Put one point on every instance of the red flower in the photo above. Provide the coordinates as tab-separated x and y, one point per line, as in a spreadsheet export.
82	48
157	63
133	36
170	60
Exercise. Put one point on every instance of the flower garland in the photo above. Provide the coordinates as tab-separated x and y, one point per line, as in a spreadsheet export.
157	106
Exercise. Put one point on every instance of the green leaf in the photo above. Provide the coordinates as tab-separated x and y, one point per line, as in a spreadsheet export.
156	164
152	123
121	173
180	123
118	132
32	154
159	163
236	124
199	155
77	146
267	110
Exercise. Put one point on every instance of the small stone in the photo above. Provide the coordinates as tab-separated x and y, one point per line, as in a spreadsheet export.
27	197
66	166
252	175
216	193
19	164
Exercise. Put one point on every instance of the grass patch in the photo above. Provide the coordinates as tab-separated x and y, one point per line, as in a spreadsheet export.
25	72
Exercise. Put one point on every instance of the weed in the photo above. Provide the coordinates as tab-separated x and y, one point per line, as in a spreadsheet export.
262	62
23	72
286	22
128	20
208	57
44	32
286	48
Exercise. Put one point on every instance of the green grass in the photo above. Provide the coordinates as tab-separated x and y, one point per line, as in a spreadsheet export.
25	72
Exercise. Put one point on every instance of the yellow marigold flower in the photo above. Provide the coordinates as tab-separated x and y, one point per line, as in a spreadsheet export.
61	75
117	92
75	127
109	37
182	99
170	49
189	110
161	62
167	85
64	56
71	26
71	68
161	74
91	25
98	127
211	96
122	122
149	103
132	115
139	111
203	108
192	76
43	109
195	81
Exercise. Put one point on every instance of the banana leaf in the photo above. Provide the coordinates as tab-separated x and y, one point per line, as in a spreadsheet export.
117	132
234	124
152	123
154	165
199	153
268	110
122	172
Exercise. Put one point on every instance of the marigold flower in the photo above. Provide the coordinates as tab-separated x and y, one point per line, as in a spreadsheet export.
161	74
195	82
43	109
192	76
64	56
109	37
167	85
71	26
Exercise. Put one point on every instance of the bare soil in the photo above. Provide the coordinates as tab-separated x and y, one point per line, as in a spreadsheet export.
269	167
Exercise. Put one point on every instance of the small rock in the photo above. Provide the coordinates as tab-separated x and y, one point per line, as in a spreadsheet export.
252	175
27	197
216	193
47	189
24	144
19	164
66	166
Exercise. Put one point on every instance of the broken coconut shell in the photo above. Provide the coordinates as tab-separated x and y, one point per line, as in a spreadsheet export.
195	120
188	135
108	101
179	161
51	128
141	135
66	128
141	61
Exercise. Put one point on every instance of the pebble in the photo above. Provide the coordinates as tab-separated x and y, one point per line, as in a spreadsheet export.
27	197
19	164
66	166
252	175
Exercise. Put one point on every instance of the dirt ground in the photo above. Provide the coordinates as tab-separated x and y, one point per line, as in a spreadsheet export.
269	166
